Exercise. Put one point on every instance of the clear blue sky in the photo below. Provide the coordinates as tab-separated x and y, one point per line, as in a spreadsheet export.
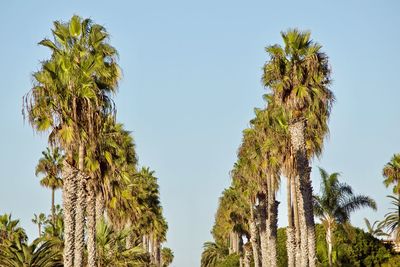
192	74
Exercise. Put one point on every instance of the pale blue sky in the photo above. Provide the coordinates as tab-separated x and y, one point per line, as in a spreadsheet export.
192	74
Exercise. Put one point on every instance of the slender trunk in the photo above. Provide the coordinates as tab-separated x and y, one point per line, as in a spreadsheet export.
254	237
100	206
91	226
306	212
272	223
329	243
290	241
241	261
53	208
296	223
80	211
247	257
69	201
263	231
40	229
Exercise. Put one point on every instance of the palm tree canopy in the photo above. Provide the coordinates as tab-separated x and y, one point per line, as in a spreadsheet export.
50	165
391	172
337	200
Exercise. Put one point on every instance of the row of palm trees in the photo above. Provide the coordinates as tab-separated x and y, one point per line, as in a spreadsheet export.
281	140
92	157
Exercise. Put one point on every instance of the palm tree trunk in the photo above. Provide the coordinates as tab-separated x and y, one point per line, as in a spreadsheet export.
80	211
263	230
290	241
329	243
91	226
40	229
69	201
306	212
296	224
53	208
254	236
100	206
247	257
272	222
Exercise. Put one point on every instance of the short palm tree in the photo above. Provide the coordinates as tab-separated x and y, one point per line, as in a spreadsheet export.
167	257
50	166
375	229
212	254
44	253
391	221
39	220
10	229
335	204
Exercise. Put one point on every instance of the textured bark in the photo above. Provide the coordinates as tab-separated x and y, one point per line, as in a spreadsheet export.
304	191
157	254
80	212
247	257
53	208
263	230
69	200
296	222
254	237
290	240
100	207
272	223
91	226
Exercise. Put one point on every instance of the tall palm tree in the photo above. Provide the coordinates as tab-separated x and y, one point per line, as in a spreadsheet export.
335	204
50	165
298	76
70	97
39	220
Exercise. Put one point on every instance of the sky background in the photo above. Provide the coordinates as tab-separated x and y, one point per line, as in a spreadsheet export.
192	73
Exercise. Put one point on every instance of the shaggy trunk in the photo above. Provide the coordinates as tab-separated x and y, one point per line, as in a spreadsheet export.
272	223
296	223
263	230
100	207
290	241
80	212
304	190
254	237
69	201
91	226
157	254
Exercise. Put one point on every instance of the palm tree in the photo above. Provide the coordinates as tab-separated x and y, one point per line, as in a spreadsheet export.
391	172
112	252
41	253
335	204
50	165
39	220
375	229
10	229
70	97
212	254
167	257
298	76
391	222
